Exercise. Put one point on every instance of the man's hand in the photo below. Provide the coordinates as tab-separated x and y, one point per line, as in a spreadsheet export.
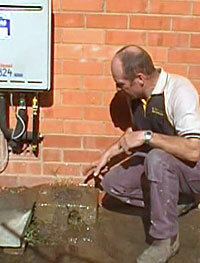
131	139
97	167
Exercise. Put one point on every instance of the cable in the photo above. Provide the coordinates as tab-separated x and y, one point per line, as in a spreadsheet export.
11	102
17	117
23	128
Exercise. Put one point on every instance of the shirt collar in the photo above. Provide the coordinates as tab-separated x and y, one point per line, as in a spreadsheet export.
160	85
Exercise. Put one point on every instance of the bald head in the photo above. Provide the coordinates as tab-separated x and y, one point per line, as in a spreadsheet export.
134	60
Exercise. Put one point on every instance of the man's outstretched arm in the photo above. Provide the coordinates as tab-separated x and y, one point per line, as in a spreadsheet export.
114	150
187	149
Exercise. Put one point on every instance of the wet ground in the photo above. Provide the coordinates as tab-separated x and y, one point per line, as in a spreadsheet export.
68	228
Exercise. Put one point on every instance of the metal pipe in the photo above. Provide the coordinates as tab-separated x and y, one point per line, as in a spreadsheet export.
35	108
3	117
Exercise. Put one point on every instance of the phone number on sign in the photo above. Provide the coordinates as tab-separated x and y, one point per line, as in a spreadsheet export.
5	72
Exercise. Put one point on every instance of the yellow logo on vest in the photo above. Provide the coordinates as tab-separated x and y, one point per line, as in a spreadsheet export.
157	111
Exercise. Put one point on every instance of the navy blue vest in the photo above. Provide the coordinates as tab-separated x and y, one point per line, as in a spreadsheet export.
154	118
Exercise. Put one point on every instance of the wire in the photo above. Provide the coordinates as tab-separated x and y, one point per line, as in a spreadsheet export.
11	102
11	99
18	117
23	128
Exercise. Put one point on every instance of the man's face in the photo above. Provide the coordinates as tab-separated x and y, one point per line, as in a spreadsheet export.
131	88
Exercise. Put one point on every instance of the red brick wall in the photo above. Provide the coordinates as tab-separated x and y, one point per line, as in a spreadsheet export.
87	33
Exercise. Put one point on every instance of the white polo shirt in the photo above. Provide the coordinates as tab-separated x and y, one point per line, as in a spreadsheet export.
181	103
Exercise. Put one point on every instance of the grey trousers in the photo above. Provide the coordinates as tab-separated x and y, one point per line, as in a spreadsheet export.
154	180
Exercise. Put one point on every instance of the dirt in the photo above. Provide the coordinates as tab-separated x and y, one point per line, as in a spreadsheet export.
115	233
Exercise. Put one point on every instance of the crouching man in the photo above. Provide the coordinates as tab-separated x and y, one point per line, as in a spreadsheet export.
163	144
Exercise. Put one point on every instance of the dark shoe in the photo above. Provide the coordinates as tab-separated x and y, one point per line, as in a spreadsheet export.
160	251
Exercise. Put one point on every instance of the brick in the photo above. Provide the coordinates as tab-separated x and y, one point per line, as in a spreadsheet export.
181	0
101	143
57	169
76	35
30	181
67	82
56	97
51	126
26	155
84	167
8	181
80	5
63	51
100	52
84	128
186	24
33	168
150	22
196	8
108	96
80	156
158	54
136	6
82	67
82	98
125	37
184	56
176	69
194	72
71	170
170	7
51	155
96	113
62	141
57	66
56	5
57	35
196	84
102	83
21	167
106	21
12	122
110	129
68	20
107	68
63	112
195	40
168	39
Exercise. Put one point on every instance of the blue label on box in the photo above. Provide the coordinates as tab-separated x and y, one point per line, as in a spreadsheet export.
5	25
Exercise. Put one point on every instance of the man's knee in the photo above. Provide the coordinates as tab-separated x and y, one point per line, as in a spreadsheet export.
155	156
107	181
155	163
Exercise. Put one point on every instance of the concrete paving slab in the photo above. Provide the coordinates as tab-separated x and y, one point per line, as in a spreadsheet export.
68	201
16	212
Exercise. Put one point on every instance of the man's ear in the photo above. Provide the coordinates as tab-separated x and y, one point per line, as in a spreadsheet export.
141	79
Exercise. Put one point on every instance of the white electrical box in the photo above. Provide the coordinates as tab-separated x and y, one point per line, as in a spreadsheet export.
25	45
